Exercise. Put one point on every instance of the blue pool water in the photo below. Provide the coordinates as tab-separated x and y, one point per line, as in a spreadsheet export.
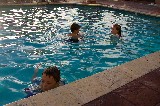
31	35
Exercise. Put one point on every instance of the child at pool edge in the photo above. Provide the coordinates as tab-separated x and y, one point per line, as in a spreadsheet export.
116	30
50	80
75	32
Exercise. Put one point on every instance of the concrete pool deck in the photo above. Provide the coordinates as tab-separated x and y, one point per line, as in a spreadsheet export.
146	8
135	83
144	91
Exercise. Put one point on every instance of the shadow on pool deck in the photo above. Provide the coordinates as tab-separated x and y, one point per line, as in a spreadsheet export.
144	91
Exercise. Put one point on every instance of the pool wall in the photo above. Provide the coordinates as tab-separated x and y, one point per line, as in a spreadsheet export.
87	89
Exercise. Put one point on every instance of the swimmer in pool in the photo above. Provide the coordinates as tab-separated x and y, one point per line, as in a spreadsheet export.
50	80
116	30
74	36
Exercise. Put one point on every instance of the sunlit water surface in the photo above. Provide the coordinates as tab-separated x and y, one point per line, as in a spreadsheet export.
32	35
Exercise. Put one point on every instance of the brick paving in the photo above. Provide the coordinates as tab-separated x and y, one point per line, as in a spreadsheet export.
144	91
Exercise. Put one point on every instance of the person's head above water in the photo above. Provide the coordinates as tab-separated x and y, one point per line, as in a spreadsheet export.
116	30
50	78
75	27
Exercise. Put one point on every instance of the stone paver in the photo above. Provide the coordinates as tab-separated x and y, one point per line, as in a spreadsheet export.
111	99
143	91
152	80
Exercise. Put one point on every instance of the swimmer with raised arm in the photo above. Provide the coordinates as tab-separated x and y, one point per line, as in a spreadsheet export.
50	80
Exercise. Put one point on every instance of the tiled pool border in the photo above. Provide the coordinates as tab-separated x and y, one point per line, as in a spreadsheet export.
87	89
90	88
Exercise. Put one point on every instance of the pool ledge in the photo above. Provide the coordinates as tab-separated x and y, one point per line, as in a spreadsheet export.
87	89
141	8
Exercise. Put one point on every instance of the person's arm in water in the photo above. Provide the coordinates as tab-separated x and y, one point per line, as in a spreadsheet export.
35	72
70	34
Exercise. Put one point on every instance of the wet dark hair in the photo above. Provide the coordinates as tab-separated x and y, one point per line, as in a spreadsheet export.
52	71
118	28
74	27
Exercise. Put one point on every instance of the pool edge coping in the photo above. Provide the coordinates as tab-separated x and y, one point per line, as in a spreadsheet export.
87	4
87	89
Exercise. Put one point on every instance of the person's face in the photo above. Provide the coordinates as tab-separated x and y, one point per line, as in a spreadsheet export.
48	83
114	30
77	31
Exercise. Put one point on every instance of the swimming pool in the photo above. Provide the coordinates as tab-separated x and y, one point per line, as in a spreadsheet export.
30	35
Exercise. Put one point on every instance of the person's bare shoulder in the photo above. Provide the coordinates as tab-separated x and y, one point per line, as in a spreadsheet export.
69	34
